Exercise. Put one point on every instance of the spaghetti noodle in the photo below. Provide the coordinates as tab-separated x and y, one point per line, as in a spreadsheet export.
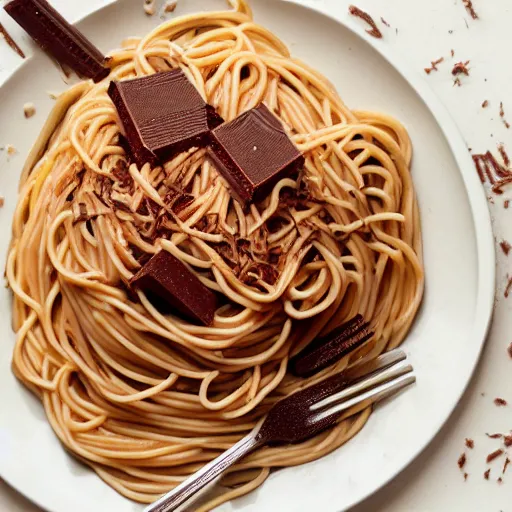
144	397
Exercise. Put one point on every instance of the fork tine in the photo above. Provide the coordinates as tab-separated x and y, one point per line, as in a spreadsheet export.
372	380
370	397
367	367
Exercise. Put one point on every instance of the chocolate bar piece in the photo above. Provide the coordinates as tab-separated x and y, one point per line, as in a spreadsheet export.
253	152
162	115
58	37
324	352
168	278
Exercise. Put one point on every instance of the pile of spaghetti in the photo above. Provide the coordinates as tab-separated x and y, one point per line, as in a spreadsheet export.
142	396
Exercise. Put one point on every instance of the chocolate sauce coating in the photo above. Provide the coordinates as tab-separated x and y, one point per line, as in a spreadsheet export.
324	352
253	152
58	37
162	115
168	278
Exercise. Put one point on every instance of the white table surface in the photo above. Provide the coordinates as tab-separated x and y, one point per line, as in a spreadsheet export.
428	30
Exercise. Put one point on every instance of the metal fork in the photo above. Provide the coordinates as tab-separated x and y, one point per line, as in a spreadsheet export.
301	416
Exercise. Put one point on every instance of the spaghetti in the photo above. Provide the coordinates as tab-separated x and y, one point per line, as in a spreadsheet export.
146	398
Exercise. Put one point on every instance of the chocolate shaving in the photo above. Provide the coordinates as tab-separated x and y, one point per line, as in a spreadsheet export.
504	155
470	443
505	247
485	104
465	476
434	64
500	480
500	402
494	436
494	455
462	461
468	4
508	287
461	68
502	115
10	41
487	474
507	440
122	175
452	53
505	466
489	169
373	31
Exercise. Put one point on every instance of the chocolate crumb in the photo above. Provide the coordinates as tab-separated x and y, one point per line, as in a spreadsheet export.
500	480
487	474
170	6
29	110
468	4
508	287
500	402
505	247
494	436
485	104
462	461
506	204
505	466
457	82
433	65
461	68
494	455
149	7
373	31
507	440
502	115
10	41
452	53
465	476
385	22
470	443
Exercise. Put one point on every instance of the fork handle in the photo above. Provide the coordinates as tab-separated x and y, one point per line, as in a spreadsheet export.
188	489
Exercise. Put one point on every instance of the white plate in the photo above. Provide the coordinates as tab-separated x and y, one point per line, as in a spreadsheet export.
446	340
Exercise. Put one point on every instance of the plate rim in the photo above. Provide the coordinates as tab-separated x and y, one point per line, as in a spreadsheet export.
480	214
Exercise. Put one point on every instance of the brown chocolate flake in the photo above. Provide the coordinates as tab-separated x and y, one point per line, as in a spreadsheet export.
149	7
452	53
462	461
461	68
500	402
508	287
485	104
487	474
470	443
494	436
373	31
505	247
500	480
384	22
507	440
506	204
489	169
502	115
494	455
29	110
457	82
504	155
468	4
10	41
170	6
505	466
465	476
433	65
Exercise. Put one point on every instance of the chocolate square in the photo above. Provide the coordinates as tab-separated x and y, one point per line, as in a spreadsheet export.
253	152
167	277
162	115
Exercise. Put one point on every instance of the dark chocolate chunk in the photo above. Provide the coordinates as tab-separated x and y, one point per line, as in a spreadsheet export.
168	278
324	352
162	115
58	37
253	152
